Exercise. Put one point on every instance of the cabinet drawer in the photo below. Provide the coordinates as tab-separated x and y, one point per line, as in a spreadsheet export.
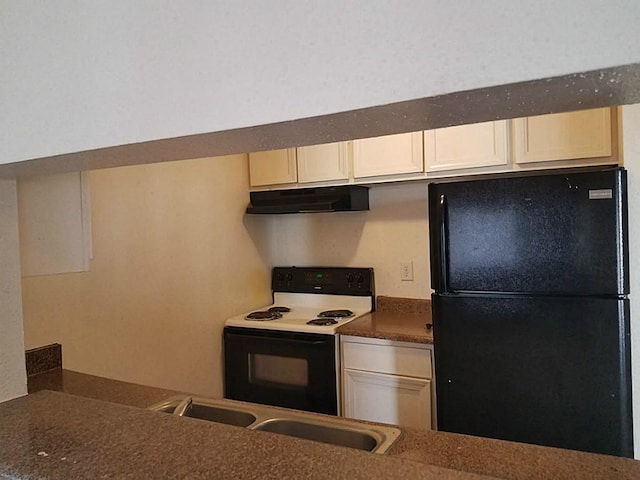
393	359
394	399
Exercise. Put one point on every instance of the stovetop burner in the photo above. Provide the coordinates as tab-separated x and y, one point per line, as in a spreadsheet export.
279	309
322	321
342	313
263	316
315	300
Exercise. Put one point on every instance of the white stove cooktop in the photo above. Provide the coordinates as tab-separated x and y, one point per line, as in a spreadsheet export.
305	307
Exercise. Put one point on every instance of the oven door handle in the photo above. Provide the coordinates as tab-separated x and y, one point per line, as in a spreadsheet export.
276	339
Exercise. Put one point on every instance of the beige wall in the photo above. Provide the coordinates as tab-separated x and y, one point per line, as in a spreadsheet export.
172	259
12	369
394	231
174	256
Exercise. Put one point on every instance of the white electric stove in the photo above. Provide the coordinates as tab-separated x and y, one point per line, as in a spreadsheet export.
286	353
304	312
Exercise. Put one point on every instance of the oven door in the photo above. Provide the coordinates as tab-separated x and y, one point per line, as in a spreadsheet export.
286	369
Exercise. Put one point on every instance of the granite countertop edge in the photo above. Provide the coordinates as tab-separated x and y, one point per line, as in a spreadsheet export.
54	435
417	454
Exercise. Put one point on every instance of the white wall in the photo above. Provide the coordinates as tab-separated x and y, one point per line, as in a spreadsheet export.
393	231
12	367
631	152
173	258
82	75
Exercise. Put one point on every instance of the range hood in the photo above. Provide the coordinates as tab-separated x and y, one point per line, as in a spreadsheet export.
308	200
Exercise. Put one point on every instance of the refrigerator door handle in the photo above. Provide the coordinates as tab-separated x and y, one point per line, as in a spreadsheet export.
442	207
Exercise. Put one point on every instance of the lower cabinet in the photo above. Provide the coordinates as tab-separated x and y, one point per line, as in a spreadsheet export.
380	397
387	381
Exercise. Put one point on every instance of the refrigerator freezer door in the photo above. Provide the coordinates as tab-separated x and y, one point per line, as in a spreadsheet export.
561	234
549	371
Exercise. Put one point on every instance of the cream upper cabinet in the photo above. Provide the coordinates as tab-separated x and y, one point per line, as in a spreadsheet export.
327	162
273	167
545	141
466	146
388	155
563	136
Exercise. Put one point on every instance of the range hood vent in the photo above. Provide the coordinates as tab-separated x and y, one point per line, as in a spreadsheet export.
310	200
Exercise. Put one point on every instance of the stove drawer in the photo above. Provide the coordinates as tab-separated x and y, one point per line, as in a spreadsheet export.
386	356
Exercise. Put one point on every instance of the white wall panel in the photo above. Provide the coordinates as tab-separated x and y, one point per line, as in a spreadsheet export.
55	232
13	375
631	152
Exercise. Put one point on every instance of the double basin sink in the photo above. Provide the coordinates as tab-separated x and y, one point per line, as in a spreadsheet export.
320	428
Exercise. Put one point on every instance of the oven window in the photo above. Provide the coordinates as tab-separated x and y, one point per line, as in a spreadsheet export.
290	371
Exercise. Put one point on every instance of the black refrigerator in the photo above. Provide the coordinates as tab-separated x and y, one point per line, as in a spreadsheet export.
531	308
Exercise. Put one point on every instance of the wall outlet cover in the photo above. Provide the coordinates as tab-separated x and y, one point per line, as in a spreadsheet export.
406	272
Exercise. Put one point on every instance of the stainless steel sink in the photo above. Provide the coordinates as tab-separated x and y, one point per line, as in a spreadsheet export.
221	415
210	410
344	436
308	426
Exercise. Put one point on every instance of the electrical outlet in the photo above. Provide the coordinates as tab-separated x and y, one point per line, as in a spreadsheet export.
406	272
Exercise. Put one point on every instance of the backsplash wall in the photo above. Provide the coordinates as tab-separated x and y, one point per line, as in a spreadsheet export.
394	231
173	258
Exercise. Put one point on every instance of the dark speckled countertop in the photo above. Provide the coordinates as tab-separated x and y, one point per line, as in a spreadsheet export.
99	388
88	438
58	436
400	319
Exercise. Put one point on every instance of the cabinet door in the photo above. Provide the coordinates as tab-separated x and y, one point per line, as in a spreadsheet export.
563	136
466	146
388	155
273	167
379	397
318	163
